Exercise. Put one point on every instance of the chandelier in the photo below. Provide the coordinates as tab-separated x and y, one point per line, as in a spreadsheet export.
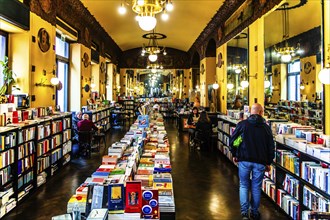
146	11
287	52
153	49
154	67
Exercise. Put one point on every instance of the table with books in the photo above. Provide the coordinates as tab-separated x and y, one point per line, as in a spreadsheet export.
134	180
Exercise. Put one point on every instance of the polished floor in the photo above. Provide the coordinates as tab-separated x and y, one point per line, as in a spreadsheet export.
205	184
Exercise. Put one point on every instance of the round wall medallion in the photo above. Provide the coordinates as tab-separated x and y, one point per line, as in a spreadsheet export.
86	34
85	59
43	40
307	67
202	69
220	61
102	67
46	5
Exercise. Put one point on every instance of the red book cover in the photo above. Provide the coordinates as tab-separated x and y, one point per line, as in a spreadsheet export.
104	170
150	204
133	198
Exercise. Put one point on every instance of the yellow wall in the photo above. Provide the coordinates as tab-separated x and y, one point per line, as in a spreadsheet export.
210	72
310	80
222	80
86	74
256	62
110	82
76	83
202	84
19	48
327	55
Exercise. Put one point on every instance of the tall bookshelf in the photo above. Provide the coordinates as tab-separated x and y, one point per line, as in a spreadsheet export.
31	152
298	181
101	117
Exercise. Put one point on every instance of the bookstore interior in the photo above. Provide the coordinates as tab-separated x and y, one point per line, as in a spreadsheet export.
56	59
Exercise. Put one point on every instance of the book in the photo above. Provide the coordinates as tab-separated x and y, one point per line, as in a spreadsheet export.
116	198
133	198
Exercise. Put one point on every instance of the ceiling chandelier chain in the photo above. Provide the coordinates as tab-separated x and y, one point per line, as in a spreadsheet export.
287	52
146	11
153	48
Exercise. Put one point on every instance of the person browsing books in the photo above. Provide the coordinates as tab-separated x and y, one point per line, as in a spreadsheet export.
192	120
254	155
86	124
203	129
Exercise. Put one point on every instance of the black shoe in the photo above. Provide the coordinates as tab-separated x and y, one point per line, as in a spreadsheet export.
255	216
245	216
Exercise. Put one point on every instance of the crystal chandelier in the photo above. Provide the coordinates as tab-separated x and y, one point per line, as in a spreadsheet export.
146	11
287	52
154	67
153	49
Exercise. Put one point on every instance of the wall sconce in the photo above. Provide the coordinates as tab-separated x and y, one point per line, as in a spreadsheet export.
54	80
324	74
254	76
266	82
302	85
43	84
215	85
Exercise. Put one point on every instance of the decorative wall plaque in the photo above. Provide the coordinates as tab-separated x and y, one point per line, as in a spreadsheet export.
43	40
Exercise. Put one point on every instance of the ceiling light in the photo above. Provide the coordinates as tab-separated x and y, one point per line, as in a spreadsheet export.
324	74
147	23
153	49
244	84
147	9
169	6
54	81
266	83
230	86
122	9
287	52
152	57
215	85
165	16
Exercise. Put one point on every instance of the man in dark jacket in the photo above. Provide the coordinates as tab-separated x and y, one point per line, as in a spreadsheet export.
255	154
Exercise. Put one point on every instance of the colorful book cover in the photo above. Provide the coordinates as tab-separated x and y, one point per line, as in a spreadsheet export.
133	197
97	198
150	204
116	198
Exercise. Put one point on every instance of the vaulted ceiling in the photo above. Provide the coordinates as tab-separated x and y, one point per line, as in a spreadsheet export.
186	22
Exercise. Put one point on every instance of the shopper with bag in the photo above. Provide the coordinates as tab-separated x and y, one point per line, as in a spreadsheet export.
254	154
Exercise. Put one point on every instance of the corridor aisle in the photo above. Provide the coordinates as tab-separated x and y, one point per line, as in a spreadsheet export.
205	185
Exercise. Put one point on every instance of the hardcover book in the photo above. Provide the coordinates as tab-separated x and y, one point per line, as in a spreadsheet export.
116	198
133	197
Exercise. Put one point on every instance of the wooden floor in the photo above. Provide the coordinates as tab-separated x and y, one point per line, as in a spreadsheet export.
205	184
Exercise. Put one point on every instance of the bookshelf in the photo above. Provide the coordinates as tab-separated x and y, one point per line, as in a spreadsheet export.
31	152
101	117
305	112
298	181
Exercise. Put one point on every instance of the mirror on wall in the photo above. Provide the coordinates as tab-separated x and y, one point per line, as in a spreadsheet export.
291	77
237	71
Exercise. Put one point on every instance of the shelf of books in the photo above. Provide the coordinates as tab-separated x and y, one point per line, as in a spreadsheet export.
7	169
101	117
299	179
29	151
166	106
134	180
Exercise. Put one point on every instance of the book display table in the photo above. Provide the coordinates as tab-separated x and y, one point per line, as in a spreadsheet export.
134	180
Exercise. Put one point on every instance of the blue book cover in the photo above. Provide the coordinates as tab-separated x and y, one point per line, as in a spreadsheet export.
100	174
116	198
